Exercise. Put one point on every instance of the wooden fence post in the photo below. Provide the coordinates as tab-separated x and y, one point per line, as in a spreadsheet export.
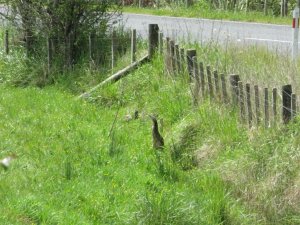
234	79
266	103
202	79
257	104
190	53
49	54
173	63
182	60
294	106
217	85
197	83
153	39
133	46
167	56
113	48
286	103
209	81
177	59
274	104
249	105
241	101
91	52
161	43
224	89
6	42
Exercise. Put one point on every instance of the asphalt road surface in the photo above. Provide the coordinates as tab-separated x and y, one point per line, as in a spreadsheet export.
274	37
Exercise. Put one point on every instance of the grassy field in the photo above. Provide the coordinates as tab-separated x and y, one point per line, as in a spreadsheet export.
82	162
206	12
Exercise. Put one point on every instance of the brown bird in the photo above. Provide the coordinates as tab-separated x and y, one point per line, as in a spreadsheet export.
158	141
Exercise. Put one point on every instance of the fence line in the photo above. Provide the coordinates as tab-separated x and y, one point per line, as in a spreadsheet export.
206	83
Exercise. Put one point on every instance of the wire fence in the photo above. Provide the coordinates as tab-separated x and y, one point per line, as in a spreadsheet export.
99	50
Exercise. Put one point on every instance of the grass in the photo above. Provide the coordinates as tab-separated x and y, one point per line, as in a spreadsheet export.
82	162
206	12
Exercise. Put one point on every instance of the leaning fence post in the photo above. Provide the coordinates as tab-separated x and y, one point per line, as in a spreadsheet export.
224	89
294	106
286	103
190	53
133	45
234	79
153	39
209	81
6	42
249	106
257	104
241	100
266	102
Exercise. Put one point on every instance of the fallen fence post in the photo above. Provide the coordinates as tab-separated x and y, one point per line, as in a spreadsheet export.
117	76
286	103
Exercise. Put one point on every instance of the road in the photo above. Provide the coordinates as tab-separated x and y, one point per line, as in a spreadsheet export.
274	37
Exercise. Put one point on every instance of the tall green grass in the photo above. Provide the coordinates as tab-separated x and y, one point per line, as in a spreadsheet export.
83	162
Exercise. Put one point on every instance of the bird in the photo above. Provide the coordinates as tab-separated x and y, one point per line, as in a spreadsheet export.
5	162
158	140
136	114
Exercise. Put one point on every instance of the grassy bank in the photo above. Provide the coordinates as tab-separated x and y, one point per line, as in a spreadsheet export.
205	12
83	162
